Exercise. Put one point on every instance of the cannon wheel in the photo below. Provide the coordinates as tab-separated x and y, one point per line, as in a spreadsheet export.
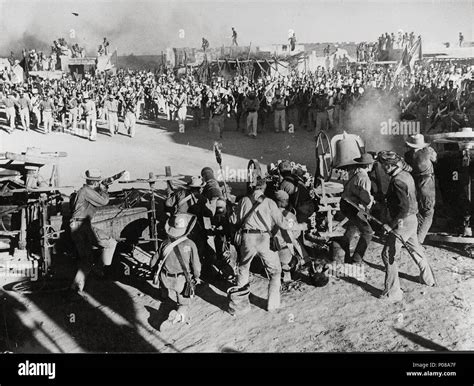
322	149
254	170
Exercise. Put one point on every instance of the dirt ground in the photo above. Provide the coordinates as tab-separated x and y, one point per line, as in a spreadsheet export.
123	315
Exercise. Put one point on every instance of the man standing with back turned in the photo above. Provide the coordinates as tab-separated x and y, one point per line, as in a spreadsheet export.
257	215
402	206
88	199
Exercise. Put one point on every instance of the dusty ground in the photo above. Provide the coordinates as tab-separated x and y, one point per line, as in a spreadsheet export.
124	315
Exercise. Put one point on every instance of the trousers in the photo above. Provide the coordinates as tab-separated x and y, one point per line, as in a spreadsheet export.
25	118
91	126
252	119
10	112
391	252
425	193
113	122
259	244
280	116
85	237
48	121
129	123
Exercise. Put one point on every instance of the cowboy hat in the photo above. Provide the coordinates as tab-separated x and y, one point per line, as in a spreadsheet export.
176	226
281	196
93	175
221	206
416	141
365	159
196	182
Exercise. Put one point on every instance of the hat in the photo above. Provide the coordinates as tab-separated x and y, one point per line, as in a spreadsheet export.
390	158
416	141
221	206
93	175
260	183
285	166
288	187
196	182
176	226
281	195
365	159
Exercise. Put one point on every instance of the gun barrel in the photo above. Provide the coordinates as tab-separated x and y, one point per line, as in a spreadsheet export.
364	212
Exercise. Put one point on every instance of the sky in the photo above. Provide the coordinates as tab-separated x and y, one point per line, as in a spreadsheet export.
149	26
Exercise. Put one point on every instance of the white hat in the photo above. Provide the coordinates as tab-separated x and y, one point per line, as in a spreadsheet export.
176	226
416	141
93	175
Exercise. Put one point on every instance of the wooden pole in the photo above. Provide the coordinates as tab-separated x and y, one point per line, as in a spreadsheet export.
154	233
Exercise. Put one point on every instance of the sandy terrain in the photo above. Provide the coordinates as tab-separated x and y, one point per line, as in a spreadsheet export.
124	315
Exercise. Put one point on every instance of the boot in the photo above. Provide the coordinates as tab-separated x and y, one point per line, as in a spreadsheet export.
79	280
356	259
337	252
239	303
107	254
274	293
286	277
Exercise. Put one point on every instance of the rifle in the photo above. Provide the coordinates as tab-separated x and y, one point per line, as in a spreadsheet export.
364	215
110	180
438	116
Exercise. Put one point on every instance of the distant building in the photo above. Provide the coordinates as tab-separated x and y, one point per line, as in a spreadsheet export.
281	49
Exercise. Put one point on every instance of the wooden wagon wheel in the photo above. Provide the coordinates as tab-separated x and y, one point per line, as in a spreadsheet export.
322	150
254	170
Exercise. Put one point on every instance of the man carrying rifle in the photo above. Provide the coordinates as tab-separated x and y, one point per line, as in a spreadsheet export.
403	208
84	205
256	216
421	157
177	268
357	190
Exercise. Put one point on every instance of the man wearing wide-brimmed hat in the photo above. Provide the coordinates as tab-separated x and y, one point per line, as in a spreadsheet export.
111	106
286	241
402	207
88	199
184	198
47	107
178	259
357	190
421	157
257	216
24	107
73	109
35	107
90	112
279	104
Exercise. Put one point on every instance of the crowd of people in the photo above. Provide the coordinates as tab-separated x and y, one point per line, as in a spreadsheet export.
209	231
380	50
36	60
437	94
271	219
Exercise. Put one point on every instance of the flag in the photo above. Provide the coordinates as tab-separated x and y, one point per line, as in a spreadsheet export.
409	56
106	62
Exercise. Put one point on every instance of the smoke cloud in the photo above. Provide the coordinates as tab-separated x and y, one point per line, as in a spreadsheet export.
367	117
